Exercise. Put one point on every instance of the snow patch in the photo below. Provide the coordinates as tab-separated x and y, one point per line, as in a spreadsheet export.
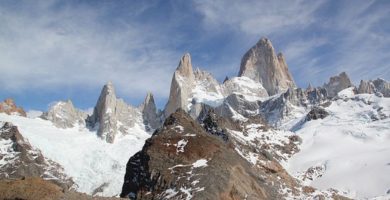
200	163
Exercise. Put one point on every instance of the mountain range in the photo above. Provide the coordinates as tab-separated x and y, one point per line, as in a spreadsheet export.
254	136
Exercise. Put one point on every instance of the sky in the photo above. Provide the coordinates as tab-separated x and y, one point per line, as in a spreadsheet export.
57	50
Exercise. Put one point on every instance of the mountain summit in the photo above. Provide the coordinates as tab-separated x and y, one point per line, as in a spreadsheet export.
262	64
181	85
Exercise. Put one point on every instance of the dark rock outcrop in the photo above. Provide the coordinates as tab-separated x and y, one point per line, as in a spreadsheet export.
316	113
182	160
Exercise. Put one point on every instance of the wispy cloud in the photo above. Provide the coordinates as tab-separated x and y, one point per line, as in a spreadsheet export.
48	45
77	46
319	38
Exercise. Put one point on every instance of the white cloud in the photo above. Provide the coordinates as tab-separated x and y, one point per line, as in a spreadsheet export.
318	38
44	47
257	17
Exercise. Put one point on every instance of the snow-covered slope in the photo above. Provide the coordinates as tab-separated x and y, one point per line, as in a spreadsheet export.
96	166
349	150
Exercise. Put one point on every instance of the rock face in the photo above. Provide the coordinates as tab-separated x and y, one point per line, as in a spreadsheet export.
378	86
337	83
181	86
382	86
262	64
9	107
182	161
366	87
112	116
19	159
64	115
149	112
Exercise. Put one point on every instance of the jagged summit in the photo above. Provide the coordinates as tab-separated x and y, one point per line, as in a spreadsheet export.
337	83
378	86
149	112
112	115
64	115
262	64
185	66
181	85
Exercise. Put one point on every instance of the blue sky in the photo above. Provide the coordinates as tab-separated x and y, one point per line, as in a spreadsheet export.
57	50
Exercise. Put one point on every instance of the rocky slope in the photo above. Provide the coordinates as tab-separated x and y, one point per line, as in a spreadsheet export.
19	159
344	145
262	64
184	160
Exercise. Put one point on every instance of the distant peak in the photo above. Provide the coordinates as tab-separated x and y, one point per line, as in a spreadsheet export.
108	88
264	42
149	98
185	66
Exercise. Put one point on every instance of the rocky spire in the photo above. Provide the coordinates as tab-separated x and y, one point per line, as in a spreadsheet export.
337	83
366	87
185	67
104	113
149	112
262	64
181	86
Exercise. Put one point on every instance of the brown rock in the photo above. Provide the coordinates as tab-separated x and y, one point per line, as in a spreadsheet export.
9	107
